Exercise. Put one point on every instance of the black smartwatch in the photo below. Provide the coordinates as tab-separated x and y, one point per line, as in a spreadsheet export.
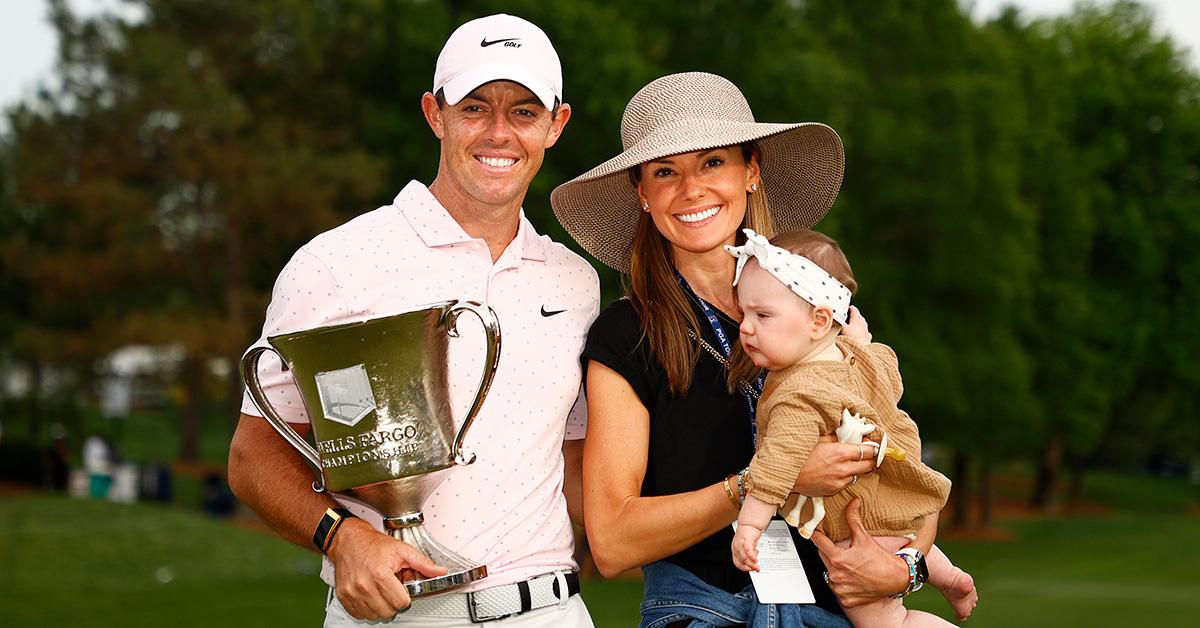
328	526
922	570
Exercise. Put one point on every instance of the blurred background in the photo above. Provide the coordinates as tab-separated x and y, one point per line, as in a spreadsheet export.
1021	205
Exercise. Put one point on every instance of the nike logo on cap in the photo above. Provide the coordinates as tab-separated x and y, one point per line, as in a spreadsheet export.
485	43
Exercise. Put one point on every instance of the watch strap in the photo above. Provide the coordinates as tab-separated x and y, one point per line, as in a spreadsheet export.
328	526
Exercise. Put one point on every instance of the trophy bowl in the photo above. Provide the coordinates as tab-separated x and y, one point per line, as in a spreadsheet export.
377	398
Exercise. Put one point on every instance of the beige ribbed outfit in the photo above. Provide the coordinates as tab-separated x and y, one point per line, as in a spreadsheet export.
803	402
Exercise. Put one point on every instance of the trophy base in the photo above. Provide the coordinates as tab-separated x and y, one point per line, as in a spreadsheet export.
440	584
461	571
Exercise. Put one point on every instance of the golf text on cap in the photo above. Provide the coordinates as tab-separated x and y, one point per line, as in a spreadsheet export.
510	42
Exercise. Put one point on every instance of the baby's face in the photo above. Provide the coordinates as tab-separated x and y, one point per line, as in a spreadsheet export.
776	323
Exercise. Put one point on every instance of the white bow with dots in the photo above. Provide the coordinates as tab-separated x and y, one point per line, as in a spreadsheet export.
797	272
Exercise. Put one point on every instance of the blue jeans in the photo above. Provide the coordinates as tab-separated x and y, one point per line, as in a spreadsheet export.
674	594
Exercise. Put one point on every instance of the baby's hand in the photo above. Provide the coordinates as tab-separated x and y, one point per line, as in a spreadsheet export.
856	327
745	547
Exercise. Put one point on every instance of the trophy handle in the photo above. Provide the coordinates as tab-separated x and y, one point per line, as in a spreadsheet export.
491	327
254	387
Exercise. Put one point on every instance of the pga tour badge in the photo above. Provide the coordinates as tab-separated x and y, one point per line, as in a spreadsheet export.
345	394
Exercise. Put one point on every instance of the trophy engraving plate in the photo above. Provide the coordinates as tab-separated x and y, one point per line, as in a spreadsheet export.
346	395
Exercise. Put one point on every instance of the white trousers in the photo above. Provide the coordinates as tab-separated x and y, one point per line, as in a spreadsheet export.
573	614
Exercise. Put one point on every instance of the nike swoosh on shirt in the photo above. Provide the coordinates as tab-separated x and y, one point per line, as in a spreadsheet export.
551	312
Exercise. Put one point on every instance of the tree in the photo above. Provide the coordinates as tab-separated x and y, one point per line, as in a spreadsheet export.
151	175
932	219
1108	186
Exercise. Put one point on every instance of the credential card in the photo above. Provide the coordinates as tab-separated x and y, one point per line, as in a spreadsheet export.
781	578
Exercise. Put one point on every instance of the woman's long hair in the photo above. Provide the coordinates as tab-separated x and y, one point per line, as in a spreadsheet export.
657	296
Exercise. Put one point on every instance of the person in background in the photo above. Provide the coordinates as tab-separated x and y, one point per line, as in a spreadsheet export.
98	464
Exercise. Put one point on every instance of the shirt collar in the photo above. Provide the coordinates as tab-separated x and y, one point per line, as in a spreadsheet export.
427	217
532	246
436	227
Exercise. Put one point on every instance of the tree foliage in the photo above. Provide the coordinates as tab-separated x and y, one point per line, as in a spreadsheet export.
1019	203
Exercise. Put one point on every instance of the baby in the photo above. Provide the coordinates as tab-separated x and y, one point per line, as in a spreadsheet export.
795	300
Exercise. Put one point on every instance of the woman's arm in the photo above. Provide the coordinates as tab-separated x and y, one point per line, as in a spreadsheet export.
626	530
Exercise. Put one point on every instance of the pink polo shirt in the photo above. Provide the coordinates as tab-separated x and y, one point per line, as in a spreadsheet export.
506	510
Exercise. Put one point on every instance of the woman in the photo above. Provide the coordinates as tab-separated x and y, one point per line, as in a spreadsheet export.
666	439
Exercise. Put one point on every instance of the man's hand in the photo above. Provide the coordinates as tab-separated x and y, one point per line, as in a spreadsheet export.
856	327
366	563
863	572
745	547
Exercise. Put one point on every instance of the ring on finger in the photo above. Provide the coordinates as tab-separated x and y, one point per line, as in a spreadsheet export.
854	481
860	452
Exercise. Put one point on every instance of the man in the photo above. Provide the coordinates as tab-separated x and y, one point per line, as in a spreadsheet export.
496	106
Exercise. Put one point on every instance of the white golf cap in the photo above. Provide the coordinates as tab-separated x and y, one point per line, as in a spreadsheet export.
494	48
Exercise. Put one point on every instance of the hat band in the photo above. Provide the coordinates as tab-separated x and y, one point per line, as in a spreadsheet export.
800	274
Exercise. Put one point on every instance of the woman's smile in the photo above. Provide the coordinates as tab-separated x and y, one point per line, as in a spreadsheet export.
699	216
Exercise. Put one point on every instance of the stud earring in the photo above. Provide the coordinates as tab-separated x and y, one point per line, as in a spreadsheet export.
645	206
753	187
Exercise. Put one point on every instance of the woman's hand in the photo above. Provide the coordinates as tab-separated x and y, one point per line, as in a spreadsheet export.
832	466
862	572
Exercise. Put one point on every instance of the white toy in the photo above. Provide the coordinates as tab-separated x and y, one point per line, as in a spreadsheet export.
852	430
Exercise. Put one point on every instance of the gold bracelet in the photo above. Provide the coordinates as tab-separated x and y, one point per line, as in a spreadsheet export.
729	491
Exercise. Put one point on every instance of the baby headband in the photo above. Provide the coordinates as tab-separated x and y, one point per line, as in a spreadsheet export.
808	280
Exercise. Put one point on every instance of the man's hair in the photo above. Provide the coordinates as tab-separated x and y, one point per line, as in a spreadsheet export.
440	97
824	252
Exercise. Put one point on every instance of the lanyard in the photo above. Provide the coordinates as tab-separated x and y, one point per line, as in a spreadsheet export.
756	387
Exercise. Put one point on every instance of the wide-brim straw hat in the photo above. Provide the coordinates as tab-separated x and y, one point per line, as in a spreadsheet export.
802	163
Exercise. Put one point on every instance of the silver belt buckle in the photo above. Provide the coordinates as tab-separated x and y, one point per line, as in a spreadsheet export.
476	618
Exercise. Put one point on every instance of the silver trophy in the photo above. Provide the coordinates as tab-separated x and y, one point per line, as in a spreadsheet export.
377	398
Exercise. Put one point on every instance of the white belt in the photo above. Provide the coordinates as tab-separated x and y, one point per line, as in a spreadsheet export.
501	601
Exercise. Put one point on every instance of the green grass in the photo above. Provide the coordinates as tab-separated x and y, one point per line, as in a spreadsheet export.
70	562
1140	493
1136	566
1120	570
85	563
67	562
613	603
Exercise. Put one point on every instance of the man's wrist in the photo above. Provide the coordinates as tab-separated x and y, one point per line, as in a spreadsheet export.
328	527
